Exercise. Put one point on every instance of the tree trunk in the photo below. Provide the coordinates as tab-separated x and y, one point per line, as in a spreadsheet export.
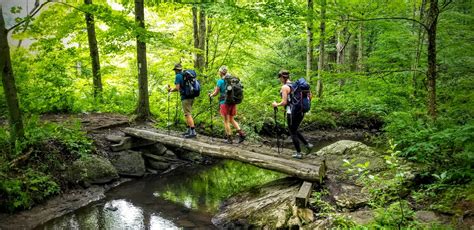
202	39
9	86
260	157
340	46
94	53
353	54
432	20
309	42
143	108
195	35
419	46
360	49
322	36
208	35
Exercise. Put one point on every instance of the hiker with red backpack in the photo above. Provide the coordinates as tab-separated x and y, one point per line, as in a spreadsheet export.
189	88
231	94
296	99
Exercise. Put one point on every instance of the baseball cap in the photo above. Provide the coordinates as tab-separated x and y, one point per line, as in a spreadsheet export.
283	73
177	67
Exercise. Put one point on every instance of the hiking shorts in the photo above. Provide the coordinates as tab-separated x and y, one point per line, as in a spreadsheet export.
228	109
187	106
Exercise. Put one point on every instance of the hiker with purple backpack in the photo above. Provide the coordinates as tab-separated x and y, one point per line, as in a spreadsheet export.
296	99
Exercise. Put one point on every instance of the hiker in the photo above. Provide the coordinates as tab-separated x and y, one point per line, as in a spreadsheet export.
186	101
293	117
227	110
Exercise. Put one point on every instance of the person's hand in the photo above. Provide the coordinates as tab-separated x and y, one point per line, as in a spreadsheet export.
209	94
274	104
169	88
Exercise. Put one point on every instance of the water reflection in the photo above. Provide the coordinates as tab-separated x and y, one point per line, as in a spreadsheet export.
207	189
115	214
187	198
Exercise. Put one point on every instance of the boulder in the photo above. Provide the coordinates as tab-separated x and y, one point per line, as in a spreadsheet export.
128	163
335	155
158	165
362	217
114	138
427	217
92	169
350	197
154	149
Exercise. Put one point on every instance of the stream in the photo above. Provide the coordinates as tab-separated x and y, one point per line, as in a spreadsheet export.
184	198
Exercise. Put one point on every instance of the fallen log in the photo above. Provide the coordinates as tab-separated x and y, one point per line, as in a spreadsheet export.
293	167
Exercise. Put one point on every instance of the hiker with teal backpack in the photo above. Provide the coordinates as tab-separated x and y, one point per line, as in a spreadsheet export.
231	94
189	88
296	99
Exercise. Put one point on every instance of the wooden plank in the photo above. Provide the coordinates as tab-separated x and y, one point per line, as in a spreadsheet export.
294	167
301	199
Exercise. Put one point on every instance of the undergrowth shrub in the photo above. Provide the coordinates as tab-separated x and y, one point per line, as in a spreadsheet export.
33	169
443	146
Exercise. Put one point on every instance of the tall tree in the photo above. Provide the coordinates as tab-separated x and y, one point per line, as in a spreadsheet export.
360	48
432	22
94	53
309	43
322	37
419	43
143	107
9	86
199	35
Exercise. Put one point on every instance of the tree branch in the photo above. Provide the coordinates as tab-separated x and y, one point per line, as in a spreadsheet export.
388	18
28	18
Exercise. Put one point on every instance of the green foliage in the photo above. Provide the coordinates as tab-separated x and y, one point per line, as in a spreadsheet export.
49	148
445	147
25	190
397	214
316	200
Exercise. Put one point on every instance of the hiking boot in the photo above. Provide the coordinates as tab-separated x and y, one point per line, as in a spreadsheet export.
228	140
187	132
309	147
241	138
191	134
297	155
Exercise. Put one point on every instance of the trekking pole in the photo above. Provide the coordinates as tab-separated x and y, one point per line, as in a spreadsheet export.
275	110
168	123
212	123
176	110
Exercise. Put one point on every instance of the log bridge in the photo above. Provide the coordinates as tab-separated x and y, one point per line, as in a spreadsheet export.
260	156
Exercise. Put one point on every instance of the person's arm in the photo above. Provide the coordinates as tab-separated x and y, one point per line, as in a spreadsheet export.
285	90
216	91
177	83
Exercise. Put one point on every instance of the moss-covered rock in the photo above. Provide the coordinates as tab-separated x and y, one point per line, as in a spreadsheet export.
128	163
352	151
92	169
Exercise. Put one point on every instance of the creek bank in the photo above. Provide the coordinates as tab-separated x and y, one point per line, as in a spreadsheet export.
339	201
88	178
273	205
56	207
